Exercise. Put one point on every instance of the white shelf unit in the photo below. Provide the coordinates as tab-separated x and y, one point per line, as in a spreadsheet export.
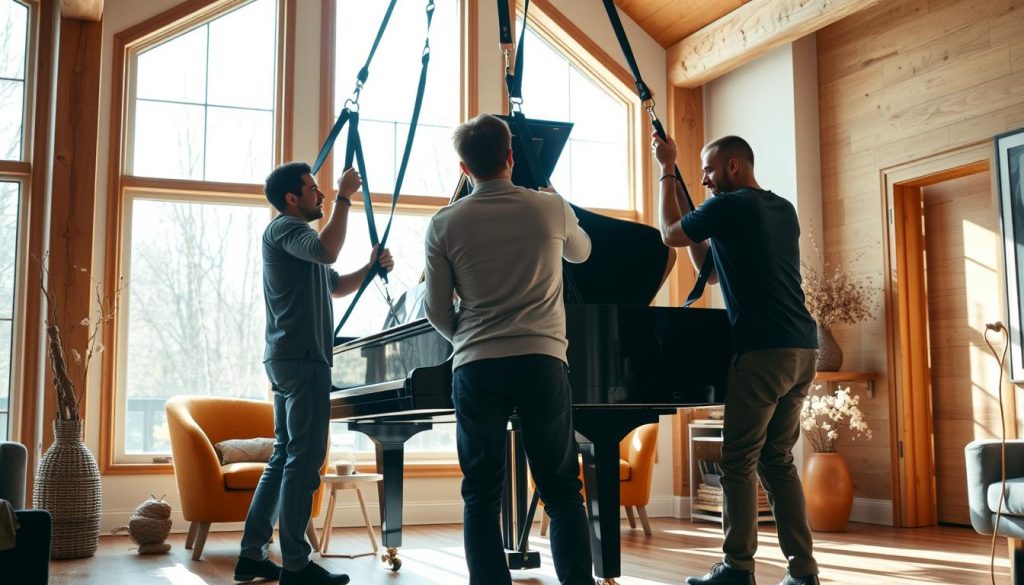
706	443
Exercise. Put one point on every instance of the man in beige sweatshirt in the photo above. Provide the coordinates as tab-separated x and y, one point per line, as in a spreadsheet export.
500	251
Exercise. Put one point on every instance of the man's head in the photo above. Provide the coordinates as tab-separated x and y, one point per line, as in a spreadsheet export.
728	164
291	189
484	145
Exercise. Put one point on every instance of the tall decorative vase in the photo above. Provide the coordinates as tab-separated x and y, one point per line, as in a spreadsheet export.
68	487
830	356
828	489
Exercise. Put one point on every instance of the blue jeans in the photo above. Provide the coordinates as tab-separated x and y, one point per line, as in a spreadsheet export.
484	393
302	391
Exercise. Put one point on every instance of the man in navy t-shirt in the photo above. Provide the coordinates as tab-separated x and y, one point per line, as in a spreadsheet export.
754	235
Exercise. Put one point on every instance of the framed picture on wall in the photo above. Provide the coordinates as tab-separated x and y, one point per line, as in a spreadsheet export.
1010	171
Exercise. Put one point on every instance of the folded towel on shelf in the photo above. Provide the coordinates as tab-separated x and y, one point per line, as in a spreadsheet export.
8	525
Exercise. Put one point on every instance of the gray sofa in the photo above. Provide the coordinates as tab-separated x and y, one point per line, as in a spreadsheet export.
28	563
984	476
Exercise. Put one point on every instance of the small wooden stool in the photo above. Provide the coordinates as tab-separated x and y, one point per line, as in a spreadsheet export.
347	482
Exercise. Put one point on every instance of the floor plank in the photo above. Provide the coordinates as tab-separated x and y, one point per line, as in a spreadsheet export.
432	555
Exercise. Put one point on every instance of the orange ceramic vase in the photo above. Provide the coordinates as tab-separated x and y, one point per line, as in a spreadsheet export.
828	489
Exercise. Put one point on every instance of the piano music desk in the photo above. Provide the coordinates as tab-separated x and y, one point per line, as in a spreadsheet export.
338	483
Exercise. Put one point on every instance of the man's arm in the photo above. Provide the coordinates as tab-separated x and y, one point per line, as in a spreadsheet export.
577	246
349	283
440	287
333	235
673	204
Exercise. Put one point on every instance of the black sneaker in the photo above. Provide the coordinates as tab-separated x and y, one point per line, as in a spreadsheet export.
721	574
312	574
248	569
808	580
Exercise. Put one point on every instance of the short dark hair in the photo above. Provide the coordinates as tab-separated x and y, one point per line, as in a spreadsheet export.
732	147
483	144
285	179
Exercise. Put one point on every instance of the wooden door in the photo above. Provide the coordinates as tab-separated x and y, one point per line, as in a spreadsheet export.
962	267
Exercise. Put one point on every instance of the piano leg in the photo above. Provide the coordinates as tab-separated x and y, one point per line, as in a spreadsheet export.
516	519
599	433
389	439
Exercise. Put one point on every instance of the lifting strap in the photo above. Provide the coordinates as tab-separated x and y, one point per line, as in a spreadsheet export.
647	101
354	150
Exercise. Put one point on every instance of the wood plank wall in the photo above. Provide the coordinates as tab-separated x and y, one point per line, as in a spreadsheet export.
898	82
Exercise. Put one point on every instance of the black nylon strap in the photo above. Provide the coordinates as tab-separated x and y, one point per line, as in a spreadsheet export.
504	23
514	82
627	50
645	95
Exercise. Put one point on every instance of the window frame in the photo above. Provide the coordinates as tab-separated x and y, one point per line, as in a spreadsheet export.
21	171
123	189
581	51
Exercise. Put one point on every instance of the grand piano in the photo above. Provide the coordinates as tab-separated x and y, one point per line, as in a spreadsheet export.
629	363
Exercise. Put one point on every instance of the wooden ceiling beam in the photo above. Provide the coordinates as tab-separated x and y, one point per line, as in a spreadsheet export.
90	10
749	32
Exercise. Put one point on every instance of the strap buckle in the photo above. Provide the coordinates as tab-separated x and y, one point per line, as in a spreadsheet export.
648	105
515	105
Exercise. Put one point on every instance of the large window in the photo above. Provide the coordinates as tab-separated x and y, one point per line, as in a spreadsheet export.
14	175
10	198
192	318
385	107
386	101
593	170
204	100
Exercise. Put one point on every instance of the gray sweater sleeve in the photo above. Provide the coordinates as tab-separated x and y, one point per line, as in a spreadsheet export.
577	242
440	286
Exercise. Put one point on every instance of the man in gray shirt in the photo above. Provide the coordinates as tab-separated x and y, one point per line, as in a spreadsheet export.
298	283
501	251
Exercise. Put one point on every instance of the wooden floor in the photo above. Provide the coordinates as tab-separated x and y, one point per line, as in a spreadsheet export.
865	555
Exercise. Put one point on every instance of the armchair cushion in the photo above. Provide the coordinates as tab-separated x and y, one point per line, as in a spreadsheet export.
1013	502
258	449
243	476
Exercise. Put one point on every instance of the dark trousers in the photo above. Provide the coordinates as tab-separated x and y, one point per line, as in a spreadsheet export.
766	390
302	404
485	392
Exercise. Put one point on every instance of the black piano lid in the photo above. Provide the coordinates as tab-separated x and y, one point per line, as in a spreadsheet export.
627	264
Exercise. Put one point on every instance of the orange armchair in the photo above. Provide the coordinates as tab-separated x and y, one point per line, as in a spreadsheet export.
636	469
211	492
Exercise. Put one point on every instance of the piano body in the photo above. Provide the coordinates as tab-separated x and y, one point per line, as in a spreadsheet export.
628	364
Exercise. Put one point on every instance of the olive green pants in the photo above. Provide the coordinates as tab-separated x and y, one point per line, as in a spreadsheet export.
766	390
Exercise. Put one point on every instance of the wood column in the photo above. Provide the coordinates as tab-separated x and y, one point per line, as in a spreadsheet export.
686	125
73	197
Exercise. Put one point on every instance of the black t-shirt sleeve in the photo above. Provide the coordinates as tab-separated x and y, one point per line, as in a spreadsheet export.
708	220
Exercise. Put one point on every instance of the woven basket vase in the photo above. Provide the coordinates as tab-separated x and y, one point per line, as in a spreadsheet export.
68	487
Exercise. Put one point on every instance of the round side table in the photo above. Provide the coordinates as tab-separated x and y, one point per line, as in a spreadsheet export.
338	483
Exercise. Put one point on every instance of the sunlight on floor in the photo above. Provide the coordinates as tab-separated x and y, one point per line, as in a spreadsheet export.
179	575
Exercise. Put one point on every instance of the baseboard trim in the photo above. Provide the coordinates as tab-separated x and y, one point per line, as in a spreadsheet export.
347	514
872	511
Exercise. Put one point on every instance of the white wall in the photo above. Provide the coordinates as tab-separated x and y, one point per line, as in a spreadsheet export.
427	500
773	104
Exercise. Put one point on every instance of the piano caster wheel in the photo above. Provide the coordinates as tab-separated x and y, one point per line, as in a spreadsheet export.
391	558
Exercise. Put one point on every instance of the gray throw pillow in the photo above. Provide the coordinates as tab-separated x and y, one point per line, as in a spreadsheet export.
256	450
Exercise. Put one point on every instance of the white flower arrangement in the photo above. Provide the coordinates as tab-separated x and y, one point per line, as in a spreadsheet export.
823	417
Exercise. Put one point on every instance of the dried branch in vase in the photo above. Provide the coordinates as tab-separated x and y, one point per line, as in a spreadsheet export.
833	295
69	385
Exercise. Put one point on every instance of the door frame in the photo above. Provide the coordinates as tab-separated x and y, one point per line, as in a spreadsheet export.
906	307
